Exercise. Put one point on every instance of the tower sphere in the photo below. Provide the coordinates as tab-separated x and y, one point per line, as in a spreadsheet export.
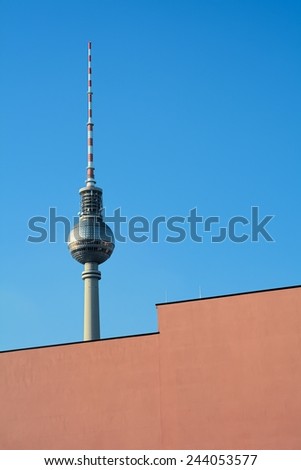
91	240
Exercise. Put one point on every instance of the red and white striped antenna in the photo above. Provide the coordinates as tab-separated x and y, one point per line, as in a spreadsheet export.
90	169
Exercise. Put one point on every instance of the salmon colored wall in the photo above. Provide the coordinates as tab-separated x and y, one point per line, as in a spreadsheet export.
97	395
230	372
224	373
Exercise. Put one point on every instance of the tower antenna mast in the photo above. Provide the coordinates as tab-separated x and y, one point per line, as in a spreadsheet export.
90	168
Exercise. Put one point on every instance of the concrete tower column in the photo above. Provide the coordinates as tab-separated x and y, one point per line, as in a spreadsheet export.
91	276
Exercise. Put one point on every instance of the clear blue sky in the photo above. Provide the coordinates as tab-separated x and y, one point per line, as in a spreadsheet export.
196	104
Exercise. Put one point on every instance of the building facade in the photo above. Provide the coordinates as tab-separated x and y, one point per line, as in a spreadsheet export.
222	373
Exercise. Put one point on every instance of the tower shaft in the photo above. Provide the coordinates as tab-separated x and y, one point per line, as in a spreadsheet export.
91	276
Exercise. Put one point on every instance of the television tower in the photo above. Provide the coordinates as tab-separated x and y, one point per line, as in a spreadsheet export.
91	241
